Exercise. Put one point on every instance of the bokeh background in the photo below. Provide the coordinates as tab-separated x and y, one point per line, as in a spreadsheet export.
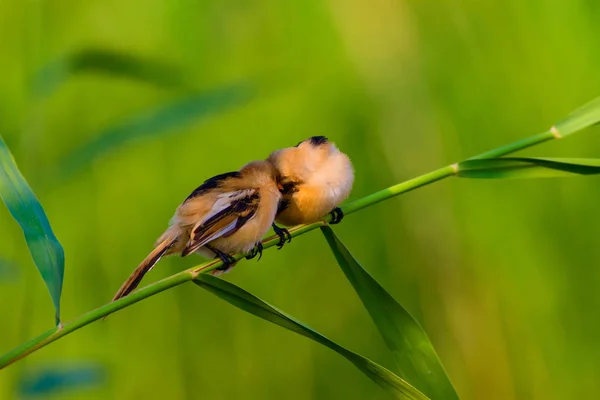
116	110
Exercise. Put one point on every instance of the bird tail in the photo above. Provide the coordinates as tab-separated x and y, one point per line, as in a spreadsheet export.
145	266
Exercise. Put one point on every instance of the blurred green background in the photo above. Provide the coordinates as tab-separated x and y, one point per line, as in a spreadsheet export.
502	274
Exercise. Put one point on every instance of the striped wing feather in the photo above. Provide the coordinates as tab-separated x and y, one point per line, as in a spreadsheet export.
230	212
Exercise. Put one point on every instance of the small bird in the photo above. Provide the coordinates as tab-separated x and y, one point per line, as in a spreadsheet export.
227	214
315	178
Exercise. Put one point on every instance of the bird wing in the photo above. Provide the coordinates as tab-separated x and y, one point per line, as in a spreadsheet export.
212	183
229	213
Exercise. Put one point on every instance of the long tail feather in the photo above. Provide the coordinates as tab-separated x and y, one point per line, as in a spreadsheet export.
136	277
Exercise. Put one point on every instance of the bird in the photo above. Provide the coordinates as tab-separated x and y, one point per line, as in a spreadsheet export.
315	178
228	214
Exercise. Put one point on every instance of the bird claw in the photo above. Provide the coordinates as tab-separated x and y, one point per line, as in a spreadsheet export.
227	259
257	250
336	216
284	236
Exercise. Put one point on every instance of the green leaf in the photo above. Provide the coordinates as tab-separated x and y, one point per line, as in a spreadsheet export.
253	305
414	355
154	123
107	62
46	251
519	167
583	117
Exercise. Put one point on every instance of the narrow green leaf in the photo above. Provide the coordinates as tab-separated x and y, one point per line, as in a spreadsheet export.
583	117
107	62
253	305
46	251
414	355
154	123
519	167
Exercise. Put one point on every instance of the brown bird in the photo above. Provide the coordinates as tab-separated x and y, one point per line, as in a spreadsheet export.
227	214
316	177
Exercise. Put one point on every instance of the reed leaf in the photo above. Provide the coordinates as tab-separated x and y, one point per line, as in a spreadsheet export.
519	167
154	123
585	116
248	302
106	62
45	249
415	358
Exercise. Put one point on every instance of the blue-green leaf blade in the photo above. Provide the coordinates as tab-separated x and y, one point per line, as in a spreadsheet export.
520	167
413	353
45	249
60	378
255	306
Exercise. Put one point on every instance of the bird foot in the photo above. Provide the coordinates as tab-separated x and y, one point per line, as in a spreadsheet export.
284	235
256	251
337	215
227	259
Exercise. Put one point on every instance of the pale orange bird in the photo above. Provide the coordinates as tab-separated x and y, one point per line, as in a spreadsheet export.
228	214
316	177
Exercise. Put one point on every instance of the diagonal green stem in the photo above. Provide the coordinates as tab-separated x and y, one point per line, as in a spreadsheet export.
56	333
442	173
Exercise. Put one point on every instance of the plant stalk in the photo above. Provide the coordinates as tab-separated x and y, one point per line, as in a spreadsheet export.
56	333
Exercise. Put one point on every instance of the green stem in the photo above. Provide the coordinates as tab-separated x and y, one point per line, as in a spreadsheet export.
442	173
56	333
519	145
400	188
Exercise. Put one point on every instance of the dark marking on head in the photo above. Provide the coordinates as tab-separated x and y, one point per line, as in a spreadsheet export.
318	140
212	183
315	141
